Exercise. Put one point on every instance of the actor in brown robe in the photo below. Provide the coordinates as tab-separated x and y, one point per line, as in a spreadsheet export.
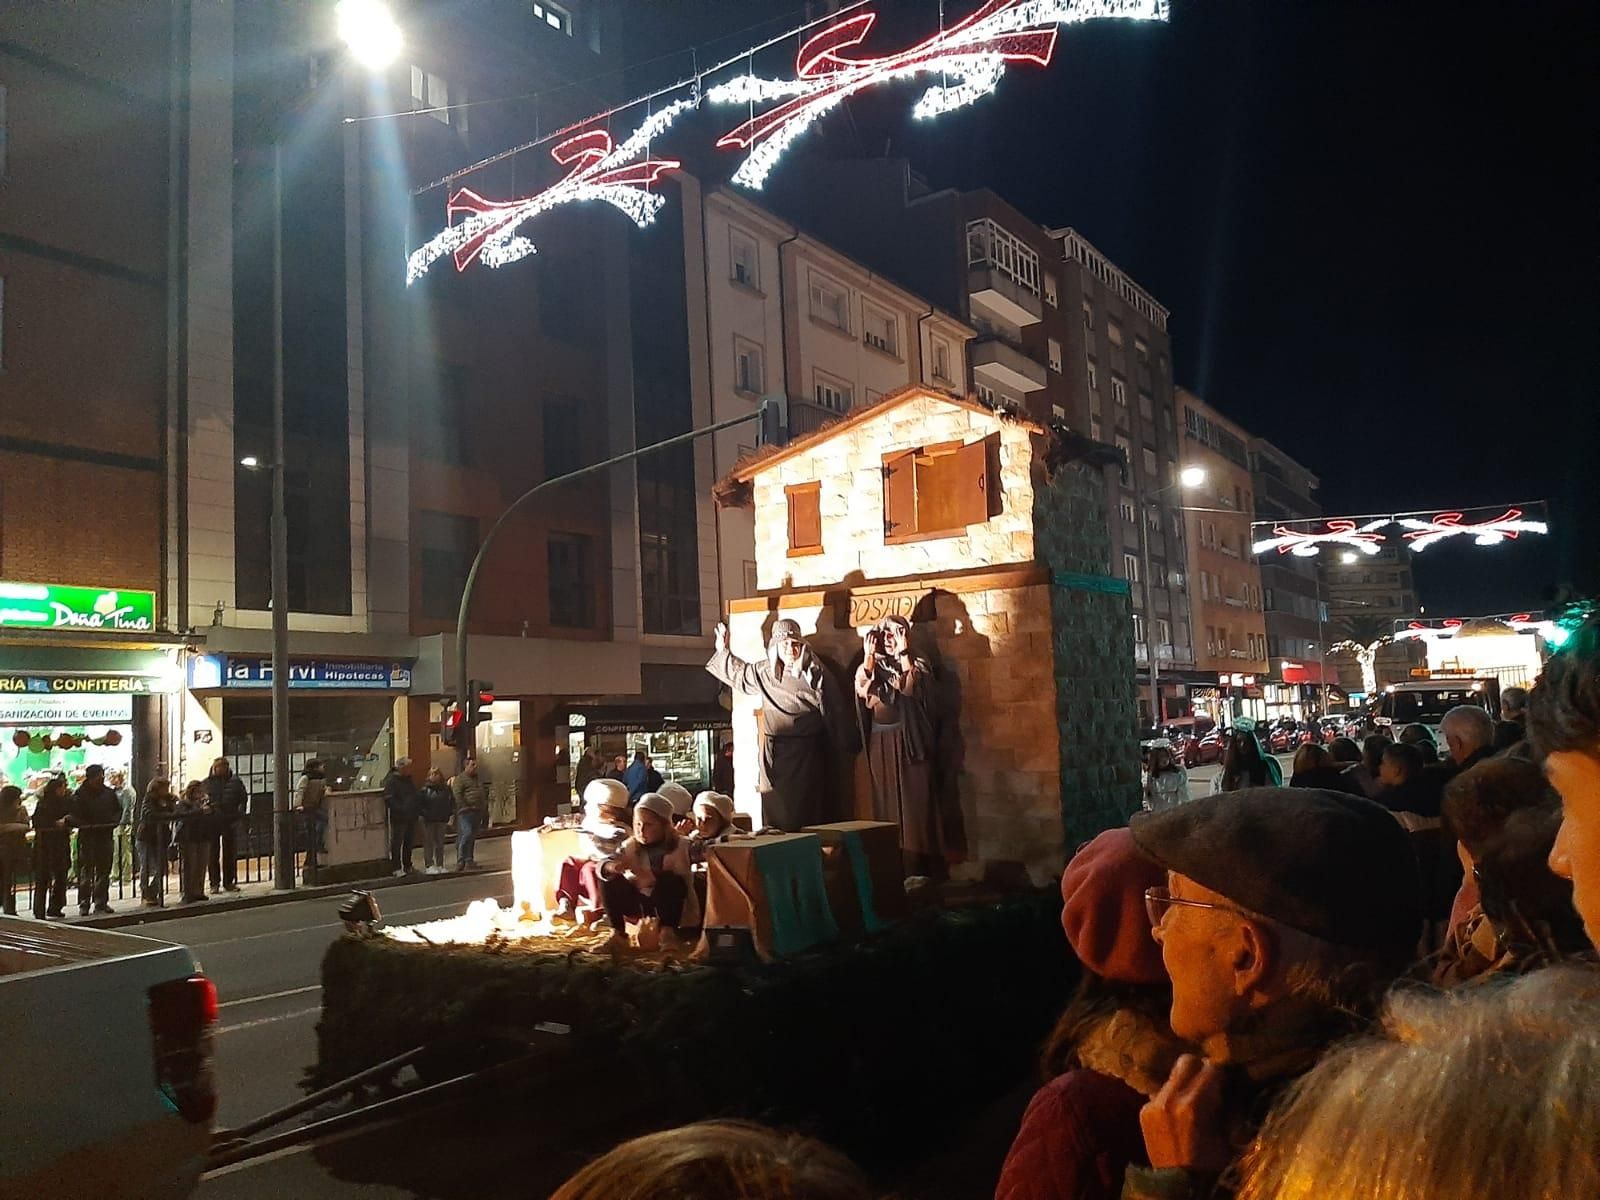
804	726
896	688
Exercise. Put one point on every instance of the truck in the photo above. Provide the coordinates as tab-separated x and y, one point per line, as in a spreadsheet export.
1424	701
108	1083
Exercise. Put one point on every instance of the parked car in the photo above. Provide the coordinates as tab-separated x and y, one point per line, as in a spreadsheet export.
111	1040
1208	749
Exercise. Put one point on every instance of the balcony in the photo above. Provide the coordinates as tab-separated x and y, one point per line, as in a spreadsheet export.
999	364
1003	274
806	416
1164	654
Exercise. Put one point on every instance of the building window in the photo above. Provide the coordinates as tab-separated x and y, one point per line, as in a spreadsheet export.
938	491
748	367
830	303
1126	509
570	559
563	450
1211	640
805	518
744	256
1163	631
440	428
669	553
1130	566
448	545
1094	376
1149	463
1088	314
1147	405
1141	351
4	129
1205	586
1138	630
1054	348
1126	447
1153	519
1114	333
941	360
1096	429
833	394
879	329
1057	412
986	394
554	16
431	94
1119	390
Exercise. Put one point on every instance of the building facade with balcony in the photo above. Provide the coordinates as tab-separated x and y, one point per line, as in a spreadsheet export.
1227	598
777	310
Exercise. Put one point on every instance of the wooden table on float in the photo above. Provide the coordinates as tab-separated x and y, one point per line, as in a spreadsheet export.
773	886
862	865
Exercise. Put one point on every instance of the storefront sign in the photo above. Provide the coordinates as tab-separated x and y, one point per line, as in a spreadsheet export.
64	606
228	671
82	685
65	710
870	609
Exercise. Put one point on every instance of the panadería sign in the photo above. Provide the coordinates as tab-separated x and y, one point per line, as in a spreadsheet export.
69	606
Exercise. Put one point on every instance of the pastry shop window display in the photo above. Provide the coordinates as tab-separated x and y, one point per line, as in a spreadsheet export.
29	755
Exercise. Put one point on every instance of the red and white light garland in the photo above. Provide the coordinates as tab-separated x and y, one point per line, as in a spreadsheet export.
1425	531
974	52
1505	527
1338	533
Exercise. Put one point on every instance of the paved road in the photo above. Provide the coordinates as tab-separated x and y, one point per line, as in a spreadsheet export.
1200	777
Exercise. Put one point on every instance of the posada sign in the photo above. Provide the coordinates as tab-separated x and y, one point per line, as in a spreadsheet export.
71	606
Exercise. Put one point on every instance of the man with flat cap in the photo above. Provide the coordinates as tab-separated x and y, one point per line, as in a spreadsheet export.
1286	914
804	720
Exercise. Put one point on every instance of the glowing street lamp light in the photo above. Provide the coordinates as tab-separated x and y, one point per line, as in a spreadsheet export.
369	32
1191	477
1347	557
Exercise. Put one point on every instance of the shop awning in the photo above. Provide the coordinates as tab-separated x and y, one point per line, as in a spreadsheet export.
623	718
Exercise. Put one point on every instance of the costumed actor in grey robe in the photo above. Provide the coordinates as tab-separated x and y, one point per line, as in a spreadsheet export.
804	722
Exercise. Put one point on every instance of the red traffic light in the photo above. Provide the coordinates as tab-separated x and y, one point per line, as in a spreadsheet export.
450	724
485	697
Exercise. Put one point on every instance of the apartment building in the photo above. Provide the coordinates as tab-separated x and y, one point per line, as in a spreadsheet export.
1291	593
1368	597
1227	597
784	312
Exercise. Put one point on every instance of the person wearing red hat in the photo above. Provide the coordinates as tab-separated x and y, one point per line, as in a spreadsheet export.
1112	1048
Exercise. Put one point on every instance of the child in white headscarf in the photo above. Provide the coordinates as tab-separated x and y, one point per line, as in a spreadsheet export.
713	824
604	830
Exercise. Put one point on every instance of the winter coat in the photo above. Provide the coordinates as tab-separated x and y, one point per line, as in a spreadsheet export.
470	792
13	841
47	810
228	798
401	797
634	857
153	818
129	799
436	802
639	778
1163	789
195	823
1330	779
1081	1130
312	795
95	804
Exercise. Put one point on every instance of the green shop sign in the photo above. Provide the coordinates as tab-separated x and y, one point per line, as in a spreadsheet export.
64	606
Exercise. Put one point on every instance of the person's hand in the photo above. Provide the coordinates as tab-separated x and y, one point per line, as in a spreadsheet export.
1184	1124
644	880
683	824
720	636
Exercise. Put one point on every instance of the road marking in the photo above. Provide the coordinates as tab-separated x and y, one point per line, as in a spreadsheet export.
303	1012
299	991
404	912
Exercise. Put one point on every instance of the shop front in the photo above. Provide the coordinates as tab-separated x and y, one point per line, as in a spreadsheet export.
683	746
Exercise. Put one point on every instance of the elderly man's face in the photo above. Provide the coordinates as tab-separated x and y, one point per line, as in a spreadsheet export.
789	649
1576	854
1207	953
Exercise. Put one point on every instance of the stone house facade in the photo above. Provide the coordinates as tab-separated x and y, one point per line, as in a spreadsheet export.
987	530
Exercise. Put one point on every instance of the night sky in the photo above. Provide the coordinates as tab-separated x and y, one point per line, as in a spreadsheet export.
1373	223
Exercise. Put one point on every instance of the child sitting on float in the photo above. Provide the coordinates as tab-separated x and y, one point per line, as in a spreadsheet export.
713	825
604	830
649	879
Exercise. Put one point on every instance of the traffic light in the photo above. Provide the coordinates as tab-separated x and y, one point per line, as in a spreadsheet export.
480	698
450	717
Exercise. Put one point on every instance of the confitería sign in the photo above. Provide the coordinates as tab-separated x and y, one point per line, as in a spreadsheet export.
69	606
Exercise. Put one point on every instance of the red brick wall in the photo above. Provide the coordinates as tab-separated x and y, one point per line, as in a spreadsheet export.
74	522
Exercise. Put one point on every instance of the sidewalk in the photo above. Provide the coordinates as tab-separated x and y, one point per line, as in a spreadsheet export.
493	852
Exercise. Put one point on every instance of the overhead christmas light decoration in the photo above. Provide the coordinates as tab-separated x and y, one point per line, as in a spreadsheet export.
487	232
1505	527
973	52
1338	532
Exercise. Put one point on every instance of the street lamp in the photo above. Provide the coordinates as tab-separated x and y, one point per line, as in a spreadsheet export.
1189	477
372	38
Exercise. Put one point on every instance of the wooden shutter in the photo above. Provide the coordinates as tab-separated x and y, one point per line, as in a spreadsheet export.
899	496
805	518
952	488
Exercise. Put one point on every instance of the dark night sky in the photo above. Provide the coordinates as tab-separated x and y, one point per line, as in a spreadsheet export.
1373	223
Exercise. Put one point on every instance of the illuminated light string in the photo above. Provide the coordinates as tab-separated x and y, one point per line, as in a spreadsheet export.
974	52
1424	531
1309	545
487	232
1503	528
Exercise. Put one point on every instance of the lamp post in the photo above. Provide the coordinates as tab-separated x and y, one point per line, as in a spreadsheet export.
371	38
1187	478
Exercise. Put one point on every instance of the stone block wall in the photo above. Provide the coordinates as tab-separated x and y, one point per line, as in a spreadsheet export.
850	469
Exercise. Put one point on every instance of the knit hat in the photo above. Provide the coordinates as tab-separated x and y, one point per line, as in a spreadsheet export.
715	802
678	796
1103	910
784	627
1336	866
657	803
605	793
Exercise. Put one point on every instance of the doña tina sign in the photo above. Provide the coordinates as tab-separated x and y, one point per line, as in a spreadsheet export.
61	606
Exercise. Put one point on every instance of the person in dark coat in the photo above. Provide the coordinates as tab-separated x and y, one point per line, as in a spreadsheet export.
152	834
1510	729
722	771
805	726
640	777
196	825
587	768
1112	1048
229	804
404	804
437	804
1314	768
96	811
52	848
13	845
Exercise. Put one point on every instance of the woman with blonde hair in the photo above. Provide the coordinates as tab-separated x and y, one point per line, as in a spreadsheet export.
1474	1093
718	1160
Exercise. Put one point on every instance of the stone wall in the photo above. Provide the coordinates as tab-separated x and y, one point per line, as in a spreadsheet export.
850	469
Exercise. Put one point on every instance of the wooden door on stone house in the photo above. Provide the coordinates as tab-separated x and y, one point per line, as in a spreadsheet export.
938	491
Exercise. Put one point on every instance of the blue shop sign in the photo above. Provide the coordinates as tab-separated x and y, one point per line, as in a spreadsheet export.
232	671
